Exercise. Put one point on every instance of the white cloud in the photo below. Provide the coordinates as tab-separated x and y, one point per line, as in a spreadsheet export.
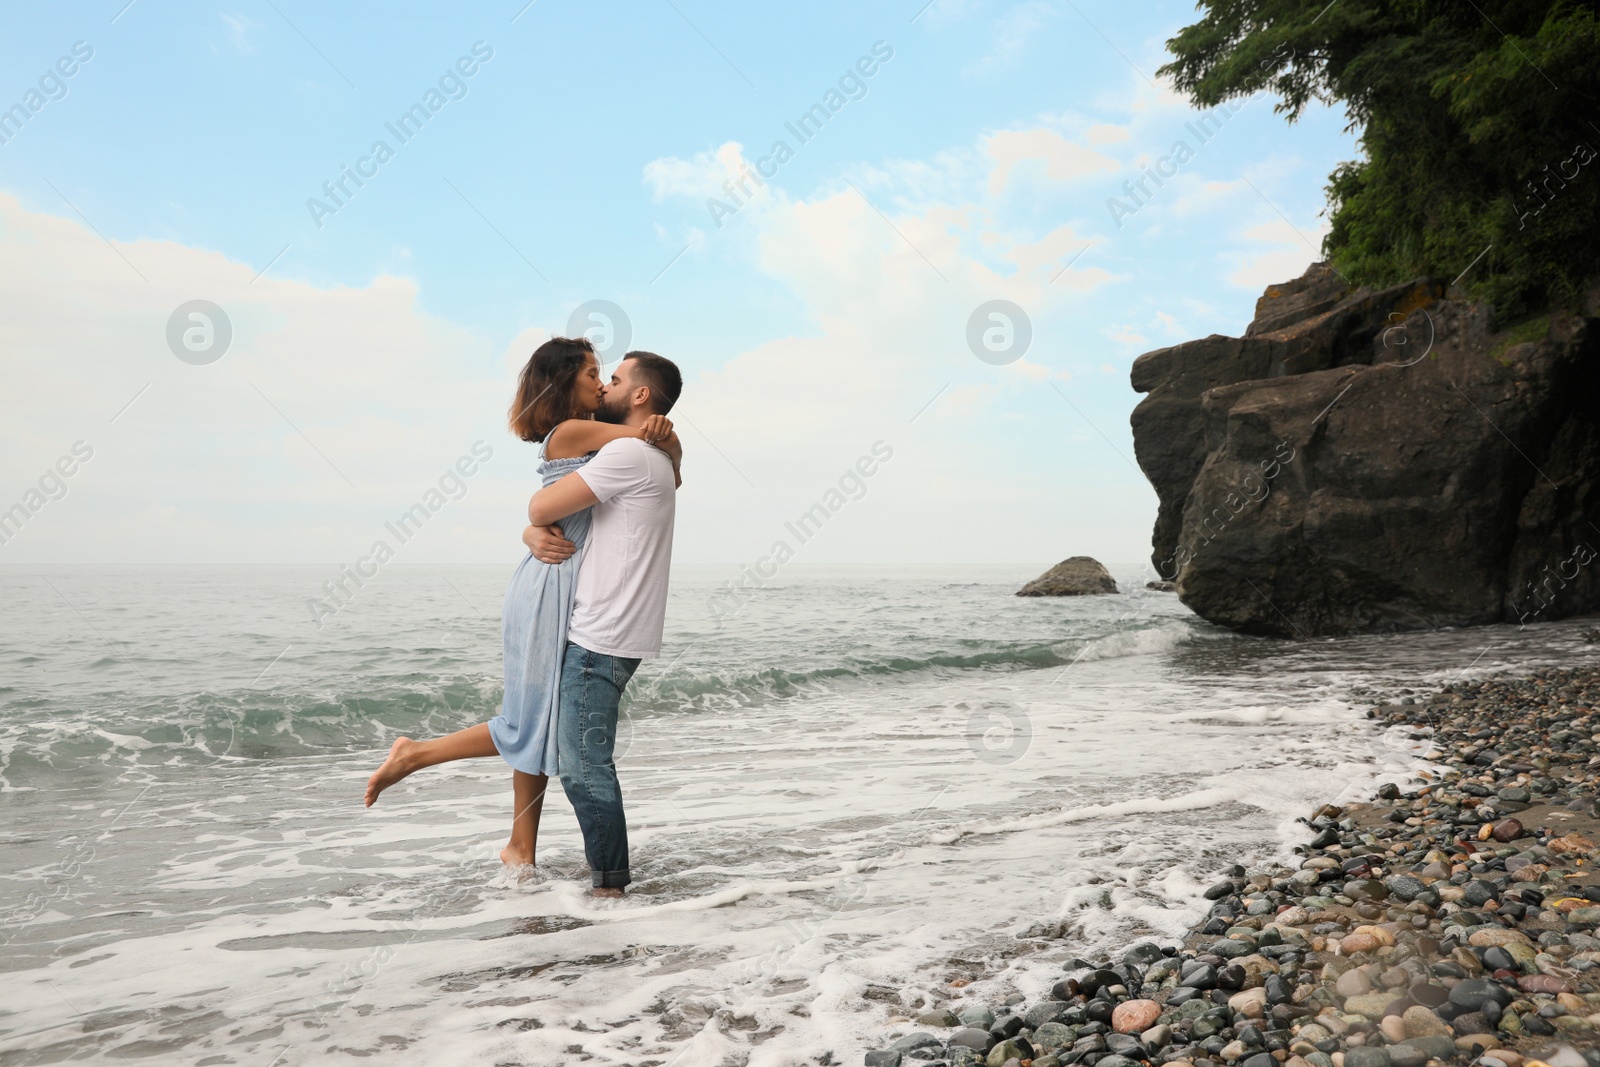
889	297
1294	250
1063	159
1103	133
215	462
700	177
1051	256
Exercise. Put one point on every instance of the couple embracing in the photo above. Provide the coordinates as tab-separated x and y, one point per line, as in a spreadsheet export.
586	605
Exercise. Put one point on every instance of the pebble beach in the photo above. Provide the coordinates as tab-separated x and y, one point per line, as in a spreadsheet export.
1451	919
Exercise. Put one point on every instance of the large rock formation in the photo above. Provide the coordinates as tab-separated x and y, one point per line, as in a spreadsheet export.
1376	460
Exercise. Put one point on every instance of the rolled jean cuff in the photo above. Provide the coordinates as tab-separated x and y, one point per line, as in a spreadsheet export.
610	879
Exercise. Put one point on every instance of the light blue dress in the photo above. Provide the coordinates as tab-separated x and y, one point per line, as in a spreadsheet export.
533	625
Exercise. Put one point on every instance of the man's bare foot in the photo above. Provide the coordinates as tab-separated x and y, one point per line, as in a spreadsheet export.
514	855
609	892
394	768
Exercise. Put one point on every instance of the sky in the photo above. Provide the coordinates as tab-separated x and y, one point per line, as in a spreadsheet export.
270	268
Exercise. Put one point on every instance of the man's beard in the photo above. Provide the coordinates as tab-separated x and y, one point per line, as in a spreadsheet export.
616	415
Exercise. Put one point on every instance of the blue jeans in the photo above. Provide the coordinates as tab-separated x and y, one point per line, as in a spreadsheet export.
591	688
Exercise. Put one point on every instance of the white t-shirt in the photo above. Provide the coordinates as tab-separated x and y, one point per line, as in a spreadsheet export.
621	598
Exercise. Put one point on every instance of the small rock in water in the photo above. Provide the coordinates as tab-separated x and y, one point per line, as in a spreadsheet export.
1009	1050
1366	889
1496	936
973	1038
1366	1056
1075	576
1352	984
1251	1003
1351	944
1473	993
1404	887
1371	1005
1143	954
1135	1016
1421	1021
1406	1056
1427	994
1507	830
1496	958
1436	1048
916	1041
1052	1036
1046	1011
977	1015
1542	983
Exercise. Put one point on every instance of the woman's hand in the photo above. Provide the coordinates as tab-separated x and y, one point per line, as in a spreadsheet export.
656	429
672	447
674	450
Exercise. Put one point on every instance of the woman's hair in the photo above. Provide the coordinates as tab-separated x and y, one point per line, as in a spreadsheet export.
544	390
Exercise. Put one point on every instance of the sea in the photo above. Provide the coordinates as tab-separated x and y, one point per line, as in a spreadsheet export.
852	795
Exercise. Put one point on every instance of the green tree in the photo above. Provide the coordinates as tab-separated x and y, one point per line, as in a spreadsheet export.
1477	121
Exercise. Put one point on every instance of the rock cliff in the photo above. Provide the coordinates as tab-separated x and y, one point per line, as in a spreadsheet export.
1381	460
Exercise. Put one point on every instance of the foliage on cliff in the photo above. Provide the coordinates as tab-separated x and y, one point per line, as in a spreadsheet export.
1478	121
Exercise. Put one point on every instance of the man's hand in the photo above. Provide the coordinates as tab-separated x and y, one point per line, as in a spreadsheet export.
560	498
547	544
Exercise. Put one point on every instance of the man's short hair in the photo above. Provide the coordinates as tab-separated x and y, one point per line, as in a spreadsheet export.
661	375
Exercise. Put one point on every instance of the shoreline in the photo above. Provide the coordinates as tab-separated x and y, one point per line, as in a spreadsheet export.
1452	920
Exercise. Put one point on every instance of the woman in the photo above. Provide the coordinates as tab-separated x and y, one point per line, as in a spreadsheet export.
557	396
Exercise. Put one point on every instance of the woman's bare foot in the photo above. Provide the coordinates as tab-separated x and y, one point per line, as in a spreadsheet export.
609	892
394	768
516	856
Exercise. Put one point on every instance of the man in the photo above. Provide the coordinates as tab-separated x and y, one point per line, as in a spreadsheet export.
619	603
